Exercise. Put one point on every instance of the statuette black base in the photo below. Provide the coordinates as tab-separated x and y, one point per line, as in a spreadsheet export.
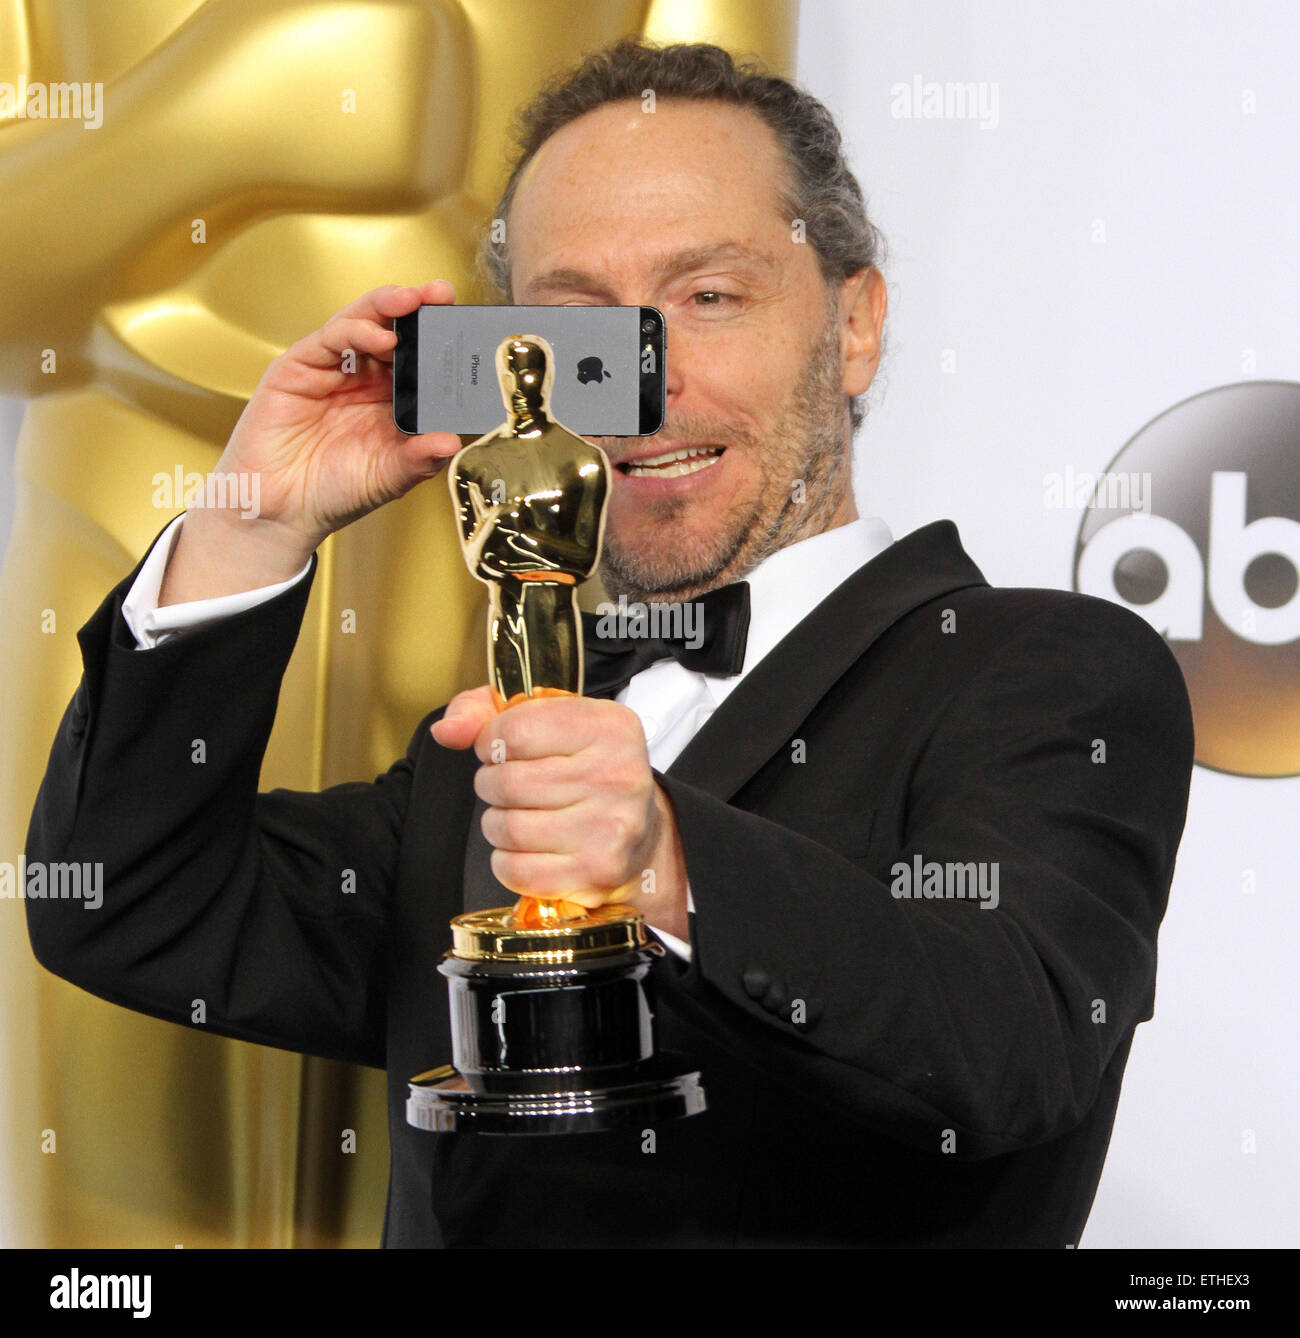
442	1101
552	1031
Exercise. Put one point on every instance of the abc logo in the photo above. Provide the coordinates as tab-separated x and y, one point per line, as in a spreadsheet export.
1215	566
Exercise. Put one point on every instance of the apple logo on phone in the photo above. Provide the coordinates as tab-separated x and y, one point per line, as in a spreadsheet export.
592	369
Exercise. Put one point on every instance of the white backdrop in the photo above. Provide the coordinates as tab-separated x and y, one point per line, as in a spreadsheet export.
1124	233
1062	347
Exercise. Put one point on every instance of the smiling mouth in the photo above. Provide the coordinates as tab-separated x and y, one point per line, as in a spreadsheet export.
673	464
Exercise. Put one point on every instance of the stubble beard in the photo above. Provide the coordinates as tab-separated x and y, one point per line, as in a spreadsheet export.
807	445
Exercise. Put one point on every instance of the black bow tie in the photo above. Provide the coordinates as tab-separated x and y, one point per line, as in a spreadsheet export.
706	635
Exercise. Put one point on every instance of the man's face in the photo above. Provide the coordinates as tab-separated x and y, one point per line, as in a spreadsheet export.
678	209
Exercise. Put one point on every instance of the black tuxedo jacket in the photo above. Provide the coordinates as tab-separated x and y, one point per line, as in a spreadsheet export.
880	1070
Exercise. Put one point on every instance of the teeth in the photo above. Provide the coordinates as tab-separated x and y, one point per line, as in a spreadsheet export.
673	464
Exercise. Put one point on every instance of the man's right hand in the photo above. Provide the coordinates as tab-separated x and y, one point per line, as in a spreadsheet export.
323	447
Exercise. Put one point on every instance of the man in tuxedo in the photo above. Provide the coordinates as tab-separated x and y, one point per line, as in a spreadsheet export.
911	836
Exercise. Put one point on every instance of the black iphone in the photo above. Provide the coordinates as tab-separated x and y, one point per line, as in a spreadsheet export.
609	374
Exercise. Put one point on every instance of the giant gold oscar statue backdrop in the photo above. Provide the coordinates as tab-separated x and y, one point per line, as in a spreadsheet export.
239	170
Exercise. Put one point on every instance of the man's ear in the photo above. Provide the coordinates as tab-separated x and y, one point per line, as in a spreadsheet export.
863	301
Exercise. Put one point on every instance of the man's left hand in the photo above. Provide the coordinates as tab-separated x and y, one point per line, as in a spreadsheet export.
575	811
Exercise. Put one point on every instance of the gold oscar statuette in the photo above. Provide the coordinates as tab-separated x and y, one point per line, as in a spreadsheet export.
551	1004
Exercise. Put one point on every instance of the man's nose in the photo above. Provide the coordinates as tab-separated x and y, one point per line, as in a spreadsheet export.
673	366
673	371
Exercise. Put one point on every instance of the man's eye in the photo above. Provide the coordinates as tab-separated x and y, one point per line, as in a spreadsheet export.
710	297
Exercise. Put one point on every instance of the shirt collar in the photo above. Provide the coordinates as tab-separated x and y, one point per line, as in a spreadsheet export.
787	585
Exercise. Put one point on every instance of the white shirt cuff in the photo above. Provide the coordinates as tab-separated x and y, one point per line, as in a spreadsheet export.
151	626
683	950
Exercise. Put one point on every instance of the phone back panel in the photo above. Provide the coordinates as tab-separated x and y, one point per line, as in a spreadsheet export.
596	390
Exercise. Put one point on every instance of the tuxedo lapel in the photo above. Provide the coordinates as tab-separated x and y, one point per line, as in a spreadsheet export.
766	708
482	890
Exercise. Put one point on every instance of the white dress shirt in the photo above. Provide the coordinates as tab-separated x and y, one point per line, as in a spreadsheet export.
672	702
